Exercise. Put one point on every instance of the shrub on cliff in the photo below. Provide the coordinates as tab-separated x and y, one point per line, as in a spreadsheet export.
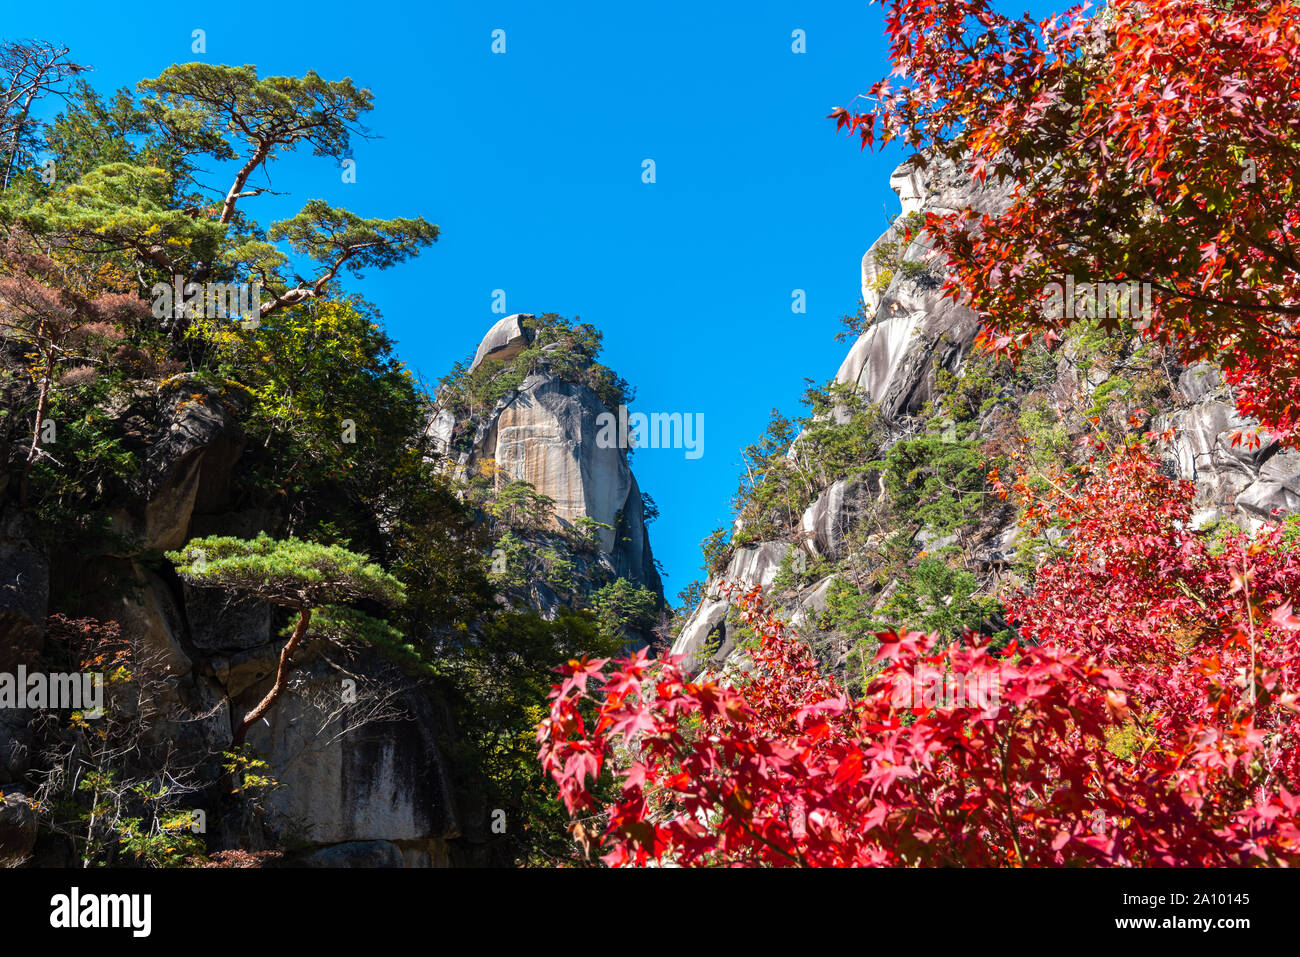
301	576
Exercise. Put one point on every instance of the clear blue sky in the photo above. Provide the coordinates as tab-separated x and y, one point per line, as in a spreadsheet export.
530	162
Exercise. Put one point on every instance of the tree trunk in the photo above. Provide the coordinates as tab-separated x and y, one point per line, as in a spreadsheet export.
42	404
14	146
281	679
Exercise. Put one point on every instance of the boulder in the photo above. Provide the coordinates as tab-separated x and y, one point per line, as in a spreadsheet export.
757	564
440	853
828	520
17	826
752	565
930	542
222	621
503	341
199	728
241	670
245	523
16	743
190	459
148	616
811	603
1276	488
356	854
1250	482
708	620
167	514
1198	381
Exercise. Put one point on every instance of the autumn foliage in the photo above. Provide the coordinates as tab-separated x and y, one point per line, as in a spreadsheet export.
1146	713
1153	141
1146	716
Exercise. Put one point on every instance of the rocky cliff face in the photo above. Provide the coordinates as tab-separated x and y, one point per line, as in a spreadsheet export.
210	656
914	339
356	745
914	329
544	431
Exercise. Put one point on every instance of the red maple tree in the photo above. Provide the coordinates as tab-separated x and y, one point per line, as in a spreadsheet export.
1153	143
1146	716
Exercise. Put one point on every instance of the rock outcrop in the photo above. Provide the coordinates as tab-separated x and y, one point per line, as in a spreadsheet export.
18	829
893	361
546	435
546	432
358	776
503	342
1246	481
356	854
373	771
356	746
914	333
189	461
827	521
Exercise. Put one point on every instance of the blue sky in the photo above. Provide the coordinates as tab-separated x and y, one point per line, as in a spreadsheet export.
530	162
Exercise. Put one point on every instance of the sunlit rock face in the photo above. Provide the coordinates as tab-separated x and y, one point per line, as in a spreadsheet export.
504	341
1246	481
913	324
546	435
912	332
547	432
753	565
